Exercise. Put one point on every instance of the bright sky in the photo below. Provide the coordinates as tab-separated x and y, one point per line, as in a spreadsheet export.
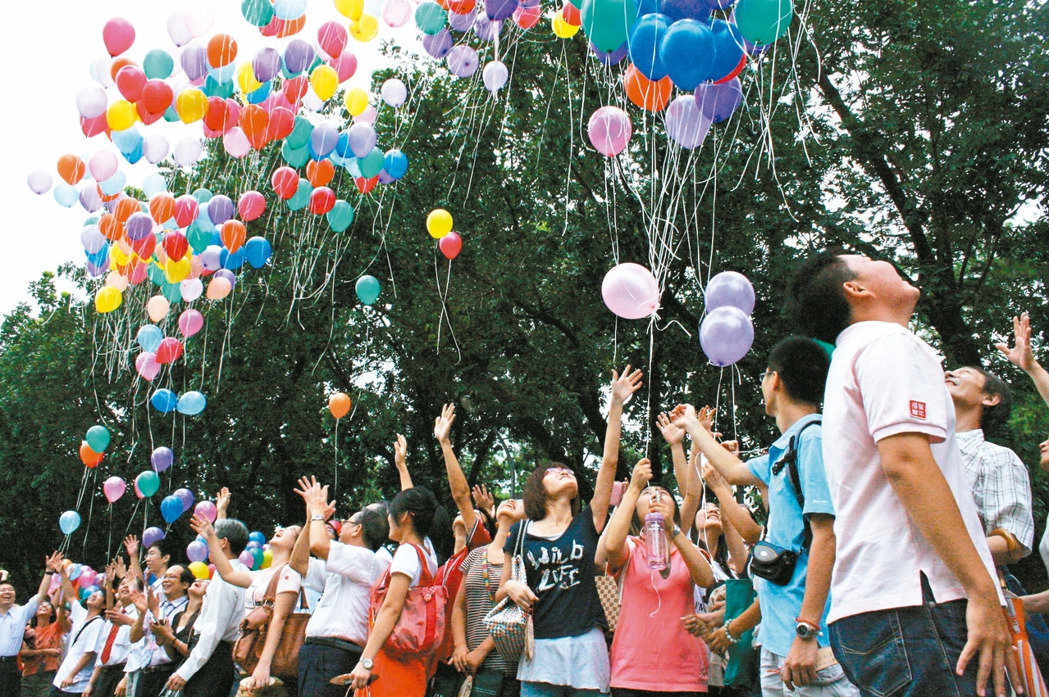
50	46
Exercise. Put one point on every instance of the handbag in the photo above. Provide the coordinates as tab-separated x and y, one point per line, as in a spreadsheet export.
608	593
421	625
509	626
253	629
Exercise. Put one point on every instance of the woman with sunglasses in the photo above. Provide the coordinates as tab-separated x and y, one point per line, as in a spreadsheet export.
559	544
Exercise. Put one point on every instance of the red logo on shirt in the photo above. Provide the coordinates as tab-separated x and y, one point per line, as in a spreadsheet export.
917	409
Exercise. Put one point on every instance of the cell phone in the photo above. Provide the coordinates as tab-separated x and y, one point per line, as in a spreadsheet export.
617	493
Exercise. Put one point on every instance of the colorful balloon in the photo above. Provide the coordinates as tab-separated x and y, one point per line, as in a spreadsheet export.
68	522
206	510
114	488
729	289
450	245
118	35
148	482
368	289
161	458
726	335
339	404
630	291
98	438
609	130
439	223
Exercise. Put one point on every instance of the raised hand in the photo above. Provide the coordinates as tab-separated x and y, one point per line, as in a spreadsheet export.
138	599
400	452
202	526
131	545
682	414
672	433
152	602
442	425
482	499
222	502
316	497
712	477
1020	354
53	562
705	416
641	475
624	386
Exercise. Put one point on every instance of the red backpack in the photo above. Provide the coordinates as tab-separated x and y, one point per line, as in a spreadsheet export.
421	624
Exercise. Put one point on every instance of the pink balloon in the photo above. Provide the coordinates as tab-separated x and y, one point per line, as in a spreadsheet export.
190	322
103	165
147	366
396	13
206	510
332	38
138	492
609	130
87	577
251	205
236	142
345	65
118	35
114	488
630	291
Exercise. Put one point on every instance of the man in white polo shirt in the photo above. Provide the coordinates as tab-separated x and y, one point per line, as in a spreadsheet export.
915	606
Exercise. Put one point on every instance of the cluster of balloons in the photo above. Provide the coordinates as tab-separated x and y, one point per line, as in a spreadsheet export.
85	580
188	403
174	505
93	447
727	332
439	224
256	554
630	291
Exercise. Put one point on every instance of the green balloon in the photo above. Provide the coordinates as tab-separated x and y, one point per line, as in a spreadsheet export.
198	238
302	196
296	157
158	64
214	88
371	164
257	12
170	115
155	274
97	438
763	21
257	554
203	195
148	482
171	291
368	289
608	23
430	17
340	216
300	134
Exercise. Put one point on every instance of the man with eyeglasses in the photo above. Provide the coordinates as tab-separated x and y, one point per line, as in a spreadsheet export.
344	571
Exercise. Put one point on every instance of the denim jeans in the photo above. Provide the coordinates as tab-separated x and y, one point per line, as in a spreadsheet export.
830	681
908	651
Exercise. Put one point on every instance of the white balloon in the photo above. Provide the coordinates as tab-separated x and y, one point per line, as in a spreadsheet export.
200	17
177	29
394	92
39	181
187	151
311	101
191	289
91	101
154	184
495	76
100	71
155	148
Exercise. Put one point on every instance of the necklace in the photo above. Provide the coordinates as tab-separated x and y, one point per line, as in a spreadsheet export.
487	576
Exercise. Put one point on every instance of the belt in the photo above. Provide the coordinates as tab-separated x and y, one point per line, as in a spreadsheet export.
334	643
170	667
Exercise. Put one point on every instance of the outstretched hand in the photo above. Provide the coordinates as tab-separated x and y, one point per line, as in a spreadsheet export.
400	452
222	501
316	497
131	545
53	562
641	475
442	425
673	434
482	499
202	526
624	386
1020	354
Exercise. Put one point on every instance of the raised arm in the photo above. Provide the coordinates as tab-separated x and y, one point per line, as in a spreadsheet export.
623	388
618	527
732	512
217	557
733	469
222	503
51	564
400	453
134	565
442	429
1022	356
317	506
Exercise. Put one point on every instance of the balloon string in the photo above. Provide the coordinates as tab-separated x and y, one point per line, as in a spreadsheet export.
335	491
90	511
109	540
131	519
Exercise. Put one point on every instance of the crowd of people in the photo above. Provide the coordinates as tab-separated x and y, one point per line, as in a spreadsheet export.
871	562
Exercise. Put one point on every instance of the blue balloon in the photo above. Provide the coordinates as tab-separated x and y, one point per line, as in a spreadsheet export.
342	147
127	141
164	401
260	94
65	194
113	185
644	45
258	251
322	141
686	9
395	163
171	509
233	260
219	82
648	7
302	195
687	52
154	184
68	522
191	403
203	196
728	49
257	537
149	337
296	157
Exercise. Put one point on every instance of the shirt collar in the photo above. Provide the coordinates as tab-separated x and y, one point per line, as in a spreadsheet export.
969	437
784	440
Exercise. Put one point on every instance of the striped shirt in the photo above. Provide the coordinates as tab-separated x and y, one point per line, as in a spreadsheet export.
479	603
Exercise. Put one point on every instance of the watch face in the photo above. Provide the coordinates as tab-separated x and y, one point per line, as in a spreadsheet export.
806	632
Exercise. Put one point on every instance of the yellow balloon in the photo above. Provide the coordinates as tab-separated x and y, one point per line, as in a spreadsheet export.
191	104
324	81
121	115
118	256
246	78
177	271
108	299
356	101
267	559
365	29
562	29
439	223
351	9
199	569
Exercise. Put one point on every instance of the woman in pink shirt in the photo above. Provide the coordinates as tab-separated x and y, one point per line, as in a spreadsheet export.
653	601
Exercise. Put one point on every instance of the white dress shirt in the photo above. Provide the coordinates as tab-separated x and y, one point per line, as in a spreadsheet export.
83	637
345	581
219	620
168	610
121	648
12	627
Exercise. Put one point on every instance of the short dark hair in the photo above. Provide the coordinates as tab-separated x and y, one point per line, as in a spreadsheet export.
234	532
534	493
802	365
185	576
994	416
815	300
420	503
167	546
375	528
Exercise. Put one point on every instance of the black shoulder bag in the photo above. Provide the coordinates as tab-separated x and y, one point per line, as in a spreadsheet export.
772	562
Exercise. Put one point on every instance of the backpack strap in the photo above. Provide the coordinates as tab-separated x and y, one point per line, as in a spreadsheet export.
790	461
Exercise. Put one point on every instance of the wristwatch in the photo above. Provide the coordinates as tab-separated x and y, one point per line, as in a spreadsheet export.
806	630
317	516
367	663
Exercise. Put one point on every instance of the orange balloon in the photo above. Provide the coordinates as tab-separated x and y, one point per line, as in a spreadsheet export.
118	64
106	198
125	208
233	234
645	93
111	228
162	207
339	404
222	49
71	168
319	172
255	123
290	27
88	456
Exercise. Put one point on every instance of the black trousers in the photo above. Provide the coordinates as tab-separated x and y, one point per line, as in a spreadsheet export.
216	677
319	663
108	679
151	682
10	678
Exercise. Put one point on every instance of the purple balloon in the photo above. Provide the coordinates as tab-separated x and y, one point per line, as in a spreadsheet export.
718	101
499	9
462	61
89	198
726	335
613	58
362	139
486	29
185	496
220	209
246	559
211	257
323	139
385	178
138	226
686	124
92	239
460	23
719	4
151	536
730	289
298	56
438	45
197	551
266	64
96	270
162	458
228	275
206	510
194	60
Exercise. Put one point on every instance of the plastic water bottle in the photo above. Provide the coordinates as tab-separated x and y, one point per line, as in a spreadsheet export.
658	551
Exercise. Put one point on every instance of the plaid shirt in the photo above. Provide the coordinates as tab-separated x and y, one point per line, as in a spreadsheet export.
1001	487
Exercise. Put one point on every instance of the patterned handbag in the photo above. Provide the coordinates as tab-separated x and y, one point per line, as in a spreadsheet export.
610	595
509	626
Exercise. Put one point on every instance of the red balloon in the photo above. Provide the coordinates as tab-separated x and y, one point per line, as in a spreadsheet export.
215	116
282	123
321	200
169	351
332	38
285	182
462	7
251	205
175	245
736	71
130	82
118	35
451	244
186	210
570	13
92	127
345	65
145	114
145	246
233	233
157	96
365	185
295	88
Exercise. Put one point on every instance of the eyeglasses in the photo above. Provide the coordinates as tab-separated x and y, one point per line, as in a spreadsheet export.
761	378
558	470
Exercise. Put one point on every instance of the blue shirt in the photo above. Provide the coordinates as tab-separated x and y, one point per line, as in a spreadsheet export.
780	605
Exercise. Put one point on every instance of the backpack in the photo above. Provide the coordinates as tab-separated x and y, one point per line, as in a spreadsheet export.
421	625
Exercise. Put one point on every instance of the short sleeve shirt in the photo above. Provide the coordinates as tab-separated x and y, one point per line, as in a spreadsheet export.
83	638
406	561
560	572
481	581
885	381
290	581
